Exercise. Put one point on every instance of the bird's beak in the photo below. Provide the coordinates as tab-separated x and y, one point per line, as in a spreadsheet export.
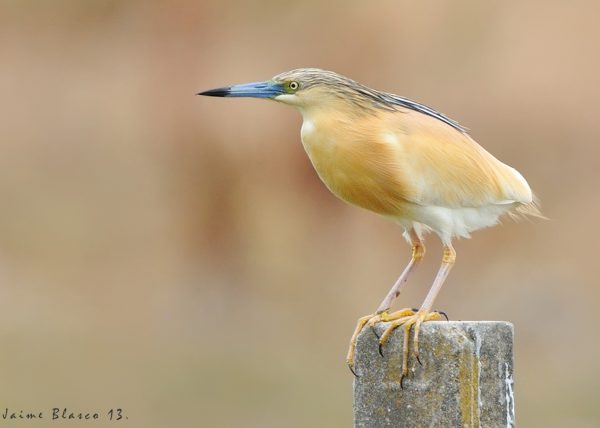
253	90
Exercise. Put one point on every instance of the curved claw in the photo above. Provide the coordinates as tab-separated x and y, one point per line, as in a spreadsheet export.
381	349
375	332
402	381
352	370
419	361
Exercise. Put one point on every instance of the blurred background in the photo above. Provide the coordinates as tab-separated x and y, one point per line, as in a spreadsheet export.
177	256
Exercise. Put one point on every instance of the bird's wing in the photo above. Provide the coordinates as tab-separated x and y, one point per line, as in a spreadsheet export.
445	167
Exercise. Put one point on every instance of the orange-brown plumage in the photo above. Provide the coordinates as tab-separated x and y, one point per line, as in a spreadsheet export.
395	163
354	164
402	160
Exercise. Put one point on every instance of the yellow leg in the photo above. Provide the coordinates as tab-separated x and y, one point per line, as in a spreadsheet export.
387	317
371	320
382	315
359	326
422	315
418	252
407	322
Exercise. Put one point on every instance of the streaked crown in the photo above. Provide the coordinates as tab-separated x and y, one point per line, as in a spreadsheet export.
301	79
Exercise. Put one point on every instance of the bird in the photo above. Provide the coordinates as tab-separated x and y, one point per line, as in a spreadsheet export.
404	161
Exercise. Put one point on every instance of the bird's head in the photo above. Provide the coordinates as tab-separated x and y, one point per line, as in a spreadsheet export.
313	89
302	88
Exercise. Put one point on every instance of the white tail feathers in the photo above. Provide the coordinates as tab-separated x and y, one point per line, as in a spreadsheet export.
531	209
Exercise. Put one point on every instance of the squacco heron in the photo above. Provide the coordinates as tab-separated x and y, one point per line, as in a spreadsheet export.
400	159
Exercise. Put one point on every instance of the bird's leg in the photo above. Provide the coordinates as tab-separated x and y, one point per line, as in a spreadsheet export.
423	314
418	252
382	315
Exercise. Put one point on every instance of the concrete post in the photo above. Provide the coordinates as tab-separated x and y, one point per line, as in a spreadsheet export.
466	379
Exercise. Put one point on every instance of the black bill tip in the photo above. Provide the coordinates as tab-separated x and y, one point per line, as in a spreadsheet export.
218	92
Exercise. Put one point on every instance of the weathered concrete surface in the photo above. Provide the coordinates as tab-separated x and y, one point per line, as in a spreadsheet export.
466	379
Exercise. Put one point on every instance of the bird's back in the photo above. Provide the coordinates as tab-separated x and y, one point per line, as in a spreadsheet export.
414	167
446	167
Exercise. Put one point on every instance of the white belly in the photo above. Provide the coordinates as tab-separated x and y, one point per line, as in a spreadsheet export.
458	222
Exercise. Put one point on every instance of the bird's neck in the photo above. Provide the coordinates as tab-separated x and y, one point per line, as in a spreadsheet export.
330	115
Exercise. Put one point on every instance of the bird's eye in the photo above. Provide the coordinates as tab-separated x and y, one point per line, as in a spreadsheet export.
294	85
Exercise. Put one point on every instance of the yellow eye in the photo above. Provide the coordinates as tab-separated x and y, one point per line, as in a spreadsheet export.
294	85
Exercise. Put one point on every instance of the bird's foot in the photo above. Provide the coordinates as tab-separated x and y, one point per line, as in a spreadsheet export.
371	320
407	322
